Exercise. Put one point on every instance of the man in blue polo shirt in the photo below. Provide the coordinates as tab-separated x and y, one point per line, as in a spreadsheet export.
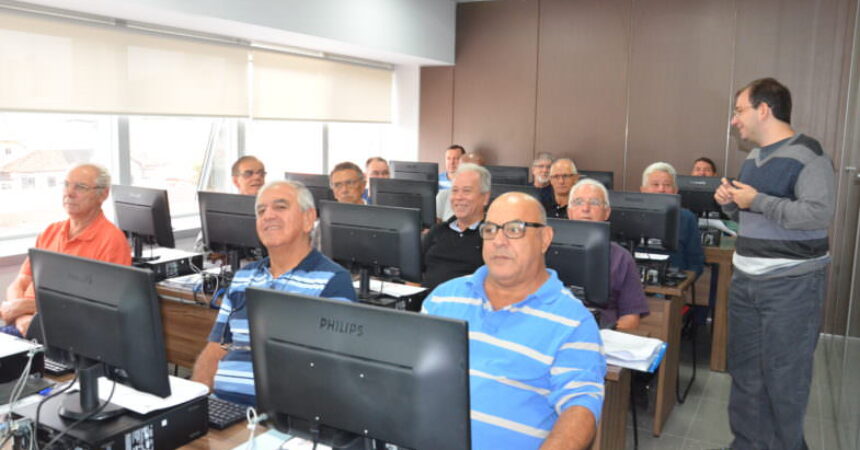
536	361
285	218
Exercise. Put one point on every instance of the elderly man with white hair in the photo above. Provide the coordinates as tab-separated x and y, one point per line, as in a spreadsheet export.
659	178
589	200
86	233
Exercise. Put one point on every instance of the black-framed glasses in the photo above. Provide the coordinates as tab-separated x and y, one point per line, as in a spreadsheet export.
514	229
251	173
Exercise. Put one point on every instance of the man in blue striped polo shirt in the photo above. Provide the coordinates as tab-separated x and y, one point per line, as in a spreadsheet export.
536	362
285	218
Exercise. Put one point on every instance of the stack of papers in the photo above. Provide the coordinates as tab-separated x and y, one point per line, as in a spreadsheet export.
181	391
633	352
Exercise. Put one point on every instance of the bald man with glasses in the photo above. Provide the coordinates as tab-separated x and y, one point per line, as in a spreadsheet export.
535	361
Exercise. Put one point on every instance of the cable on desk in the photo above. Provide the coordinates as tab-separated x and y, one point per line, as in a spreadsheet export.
82	419
253	419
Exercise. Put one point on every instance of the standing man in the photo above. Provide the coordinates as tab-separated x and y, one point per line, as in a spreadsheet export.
540	176
659	178
86	233
452	161
536	363
285	217
783	199
589	200
453	248
375	167
562	177
347	183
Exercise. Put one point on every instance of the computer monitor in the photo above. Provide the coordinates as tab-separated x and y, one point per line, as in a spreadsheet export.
637	217
579	252
107	315
406	194
413	170
498	189
229	224
509	174
697	193
337	372
605	178
317	184
383	241
144	215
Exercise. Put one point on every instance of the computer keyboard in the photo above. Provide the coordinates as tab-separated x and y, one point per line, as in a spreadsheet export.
222	413
57	368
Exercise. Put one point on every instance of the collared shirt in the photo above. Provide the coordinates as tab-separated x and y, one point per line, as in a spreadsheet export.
444	182
100	240
453	225
626	295
315	275
449	252
528	362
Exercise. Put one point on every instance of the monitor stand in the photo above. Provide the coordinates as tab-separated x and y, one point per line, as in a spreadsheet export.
137	256
85	402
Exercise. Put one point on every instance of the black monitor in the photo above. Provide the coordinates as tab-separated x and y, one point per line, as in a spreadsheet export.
229	224
580	254
383	241
144	215
107	315
317	184
697	193
337	372
637	217
509	174
605	178
407	194
412	170
498	189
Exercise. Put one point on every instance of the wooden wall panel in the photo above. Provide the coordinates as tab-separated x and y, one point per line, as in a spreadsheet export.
680	71
495	79
582	81
436	114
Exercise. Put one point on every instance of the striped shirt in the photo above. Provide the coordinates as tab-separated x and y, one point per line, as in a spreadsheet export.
528	362
315	275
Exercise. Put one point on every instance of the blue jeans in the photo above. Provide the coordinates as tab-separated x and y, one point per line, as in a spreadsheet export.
773	330
10	329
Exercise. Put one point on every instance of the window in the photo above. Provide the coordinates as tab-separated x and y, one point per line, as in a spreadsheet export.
286	146
39	147
356	142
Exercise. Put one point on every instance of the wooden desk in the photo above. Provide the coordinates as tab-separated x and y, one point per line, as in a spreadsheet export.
612	430
722	256
664	323
186	324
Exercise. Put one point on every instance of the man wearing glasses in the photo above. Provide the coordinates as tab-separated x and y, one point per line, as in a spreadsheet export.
535	361
562	177
589	200
347	183
249	175
86	233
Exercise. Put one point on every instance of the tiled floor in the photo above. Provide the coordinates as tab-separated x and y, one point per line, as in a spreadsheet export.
702	421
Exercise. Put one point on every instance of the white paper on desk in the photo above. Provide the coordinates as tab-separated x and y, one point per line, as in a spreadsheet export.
628	347
11	345
392	289
651	256
181	391
716	223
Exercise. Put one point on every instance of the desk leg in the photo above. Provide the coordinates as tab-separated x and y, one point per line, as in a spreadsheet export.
720	335
612	429
667	376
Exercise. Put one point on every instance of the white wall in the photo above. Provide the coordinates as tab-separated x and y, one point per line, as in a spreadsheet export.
419	32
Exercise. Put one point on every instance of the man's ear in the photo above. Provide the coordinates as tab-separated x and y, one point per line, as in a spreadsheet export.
546	237
308	219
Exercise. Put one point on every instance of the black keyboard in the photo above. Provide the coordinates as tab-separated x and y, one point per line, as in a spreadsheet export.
222	413
57	368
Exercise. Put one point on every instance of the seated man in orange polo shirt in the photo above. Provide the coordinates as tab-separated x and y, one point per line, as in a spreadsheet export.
86	233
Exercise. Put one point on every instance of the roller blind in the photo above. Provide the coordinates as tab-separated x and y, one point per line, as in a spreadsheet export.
55	65
304	88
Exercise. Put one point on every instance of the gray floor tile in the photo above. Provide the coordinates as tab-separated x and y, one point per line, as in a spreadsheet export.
718	387
664	442
693	444
711	423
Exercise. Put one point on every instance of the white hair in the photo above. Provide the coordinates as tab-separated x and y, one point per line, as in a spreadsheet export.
102	174
543	156
659	167
568	160
589	182
303	195
486	179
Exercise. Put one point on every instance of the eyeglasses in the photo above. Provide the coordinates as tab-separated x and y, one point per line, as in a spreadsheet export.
740	110
562	176
514	229
346	183
79	187
594	203
251	173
